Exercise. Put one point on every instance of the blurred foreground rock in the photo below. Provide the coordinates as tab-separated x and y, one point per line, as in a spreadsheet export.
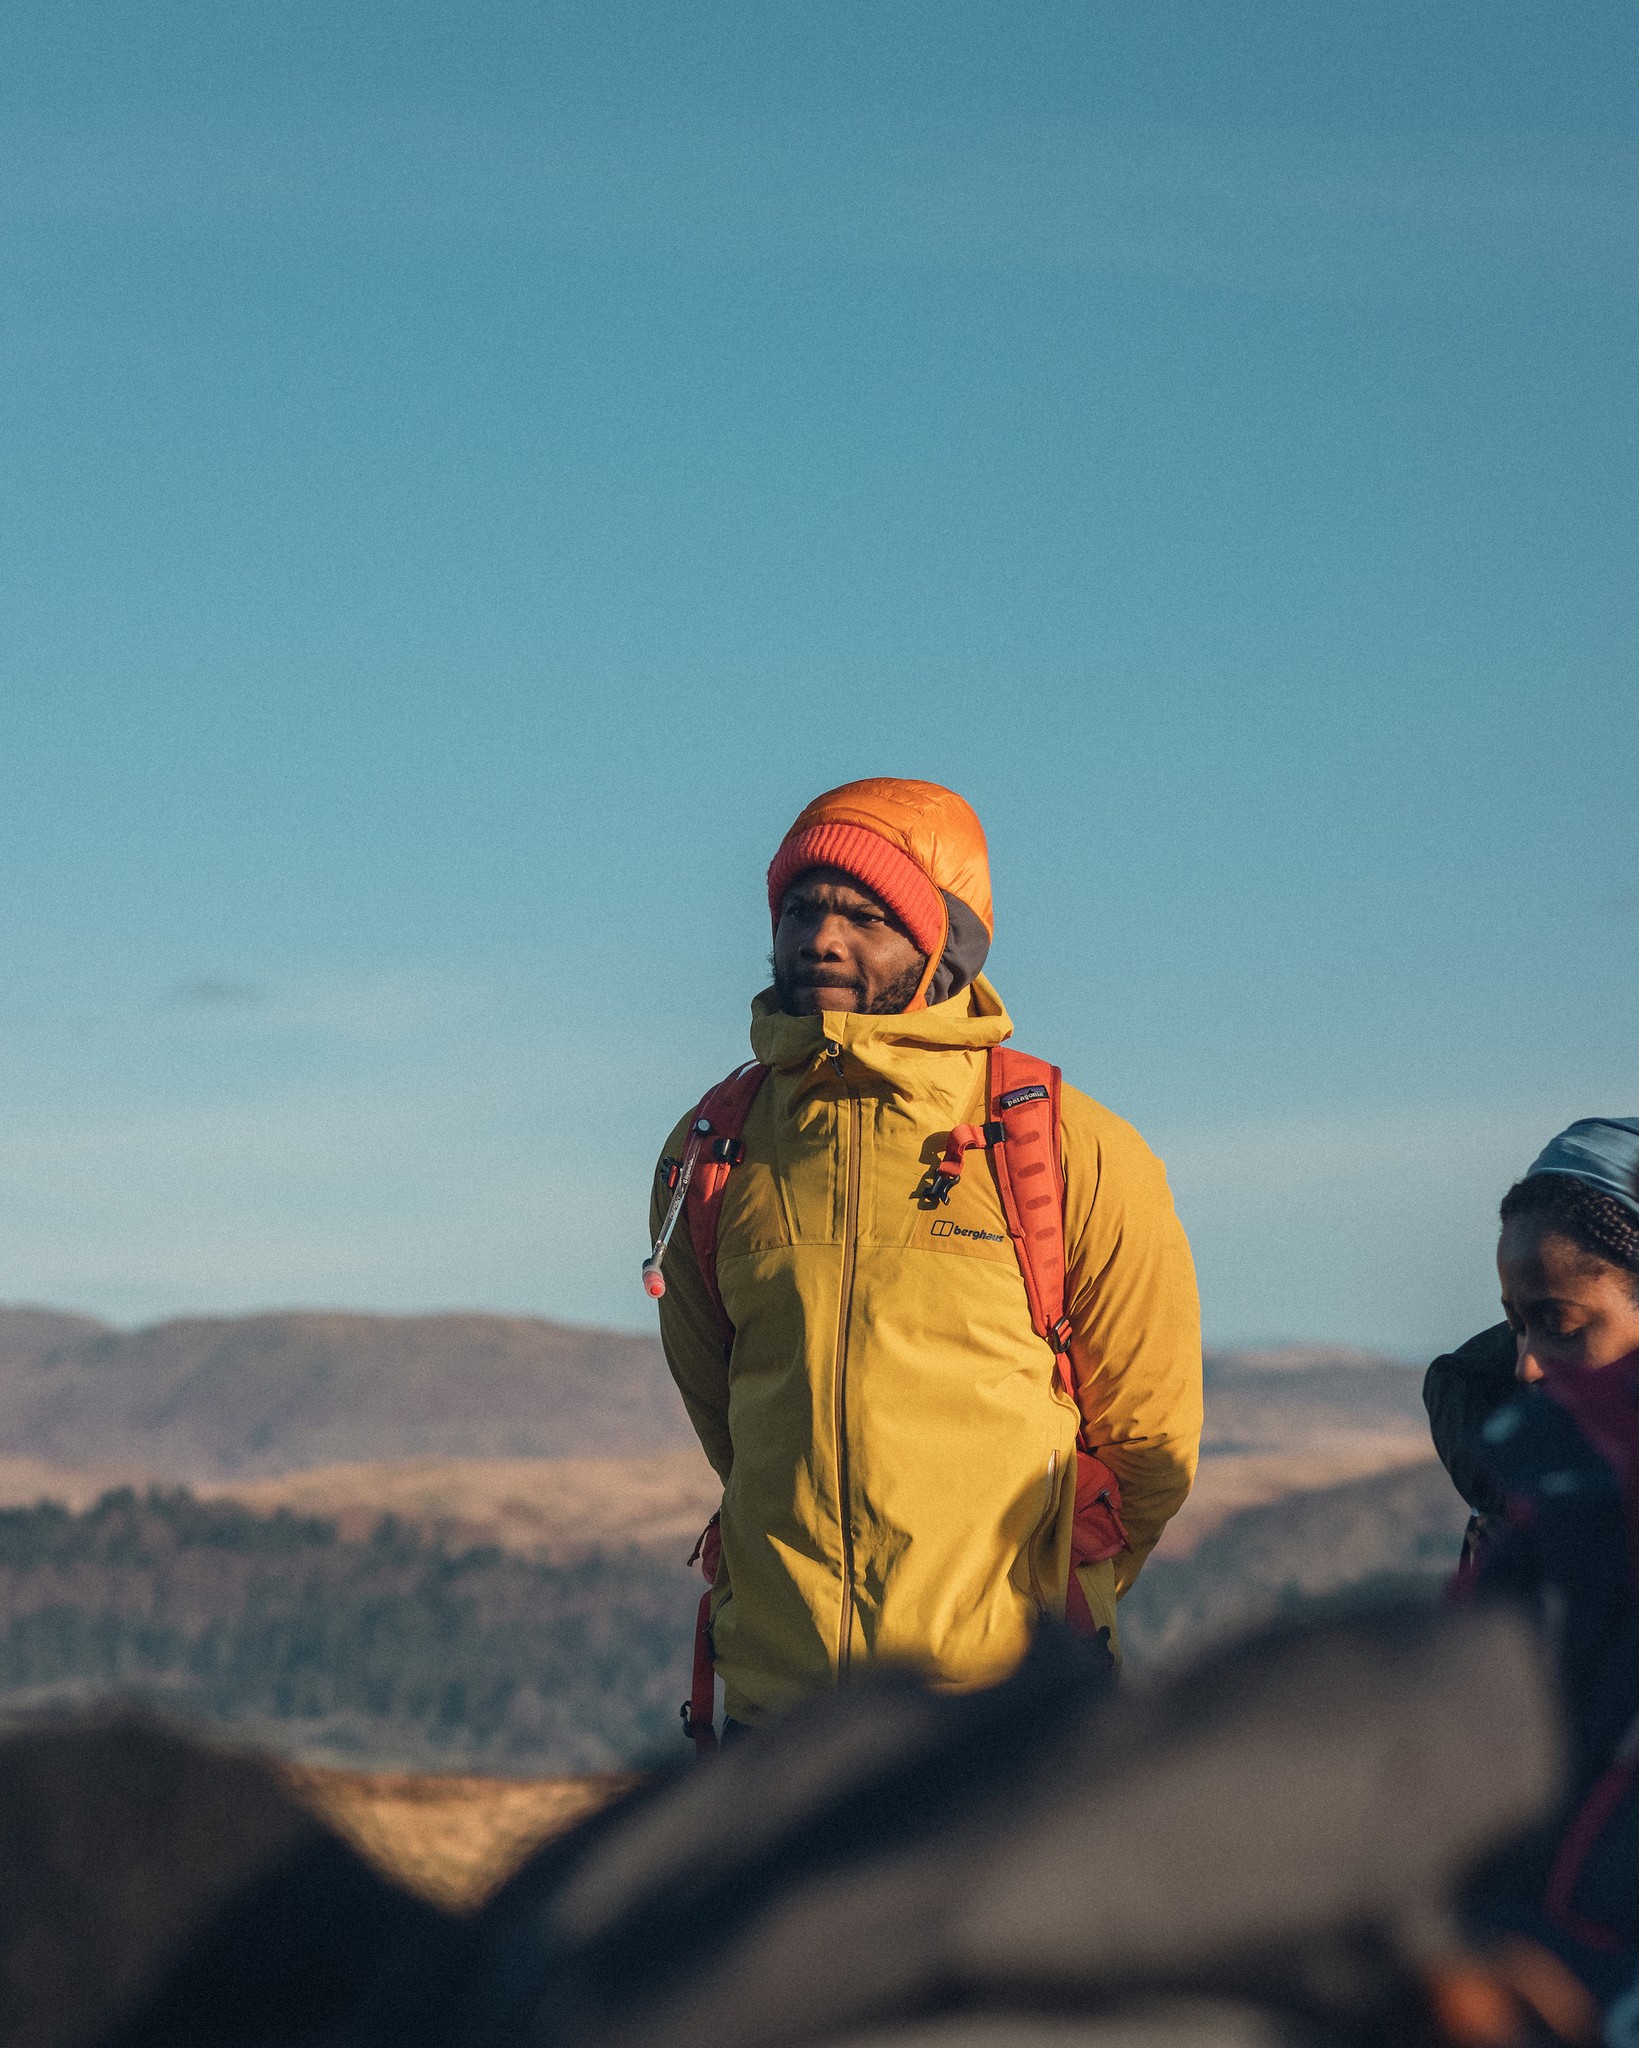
1267	1849
125	1850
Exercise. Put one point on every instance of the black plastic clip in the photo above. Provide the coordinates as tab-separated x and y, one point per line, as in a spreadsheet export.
939	1186
995	1133
1059	1335
669	1170
727	1151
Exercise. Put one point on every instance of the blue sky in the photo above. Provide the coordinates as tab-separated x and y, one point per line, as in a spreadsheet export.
470	474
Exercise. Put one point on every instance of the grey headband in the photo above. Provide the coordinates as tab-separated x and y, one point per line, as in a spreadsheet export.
1601	1150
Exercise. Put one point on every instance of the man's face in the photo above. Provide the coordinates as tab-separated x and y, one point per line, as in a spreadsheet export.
838	947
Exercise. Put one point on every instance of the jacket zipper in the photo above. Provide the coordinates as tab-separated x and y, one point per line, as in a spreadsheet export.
1049	1514
845	1311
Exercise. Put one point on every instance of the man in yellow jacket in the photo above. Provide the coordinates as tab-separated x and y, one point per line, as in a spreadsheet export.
897	1450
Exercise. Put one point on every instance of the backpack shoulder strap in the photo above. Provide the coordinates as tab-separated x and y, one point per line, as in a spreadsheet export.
1022	1135
1024	1103
715	1147
696	1181
719	1121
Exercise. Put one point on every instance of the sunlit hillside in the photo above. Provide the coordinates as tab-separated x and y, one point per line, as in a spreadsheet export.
501	1586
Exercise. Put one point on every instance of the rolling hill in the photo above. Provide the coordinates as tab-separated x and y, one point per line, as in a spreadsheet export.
1294	1420
252	1396
555	1509
30	1333
550	1440
461	1538
212	1398
1394	1534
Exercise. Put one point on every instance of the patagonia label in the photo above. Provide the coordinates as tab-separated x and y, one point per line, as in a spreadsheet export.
1034	1093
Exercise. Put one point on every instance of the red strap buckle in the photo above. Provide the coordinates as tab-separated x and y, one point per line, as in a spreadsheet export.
965	1138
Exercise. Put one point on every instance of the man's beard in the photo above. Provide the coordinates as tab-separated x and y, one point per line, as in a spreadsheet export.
894	999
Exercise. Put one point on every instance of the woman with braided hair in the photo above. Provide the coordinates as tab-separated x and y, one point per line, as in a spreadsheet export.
1570	1243
1569	1255
1553	1465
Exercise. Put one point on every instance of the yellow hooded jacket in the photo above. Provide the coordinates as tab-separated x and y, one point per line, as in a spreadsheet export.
897	1455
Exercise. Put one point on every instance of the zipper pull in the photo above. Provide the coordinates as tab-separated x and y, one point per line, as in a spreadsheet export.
833	1052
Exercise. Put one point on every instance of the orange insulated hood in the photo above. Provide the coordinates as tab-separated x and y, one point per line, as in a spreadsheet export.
918	847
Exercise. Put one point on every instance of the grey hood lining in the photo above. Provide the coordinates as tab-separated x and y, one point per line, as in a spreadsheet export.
966	947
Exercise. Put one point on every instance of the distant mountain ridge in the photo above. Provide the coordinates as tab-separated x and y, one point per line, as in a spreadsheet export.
29	1333
1296	1358
1258	1397
217	1397
208	1399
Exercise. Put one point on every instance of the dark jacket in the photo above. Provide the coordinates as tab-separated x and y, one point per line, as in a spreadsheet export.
1461	1391
1564	1456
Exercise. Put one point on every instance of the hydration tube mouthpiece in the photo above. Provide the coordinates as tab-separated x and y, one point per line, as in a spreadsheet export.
654	1281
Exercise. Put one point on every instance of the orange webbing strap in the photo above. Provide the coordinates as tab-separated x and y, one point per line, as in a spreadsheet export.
699	1710
722	1112
1024	1102
965	1138
1024	1105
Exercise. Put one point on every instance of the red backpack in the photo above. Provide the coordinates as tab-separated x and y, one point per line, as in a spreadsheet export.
1021	1134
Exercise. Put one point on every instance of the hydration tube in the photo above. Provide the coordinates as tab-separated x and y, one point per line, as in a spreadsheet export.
654	1281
